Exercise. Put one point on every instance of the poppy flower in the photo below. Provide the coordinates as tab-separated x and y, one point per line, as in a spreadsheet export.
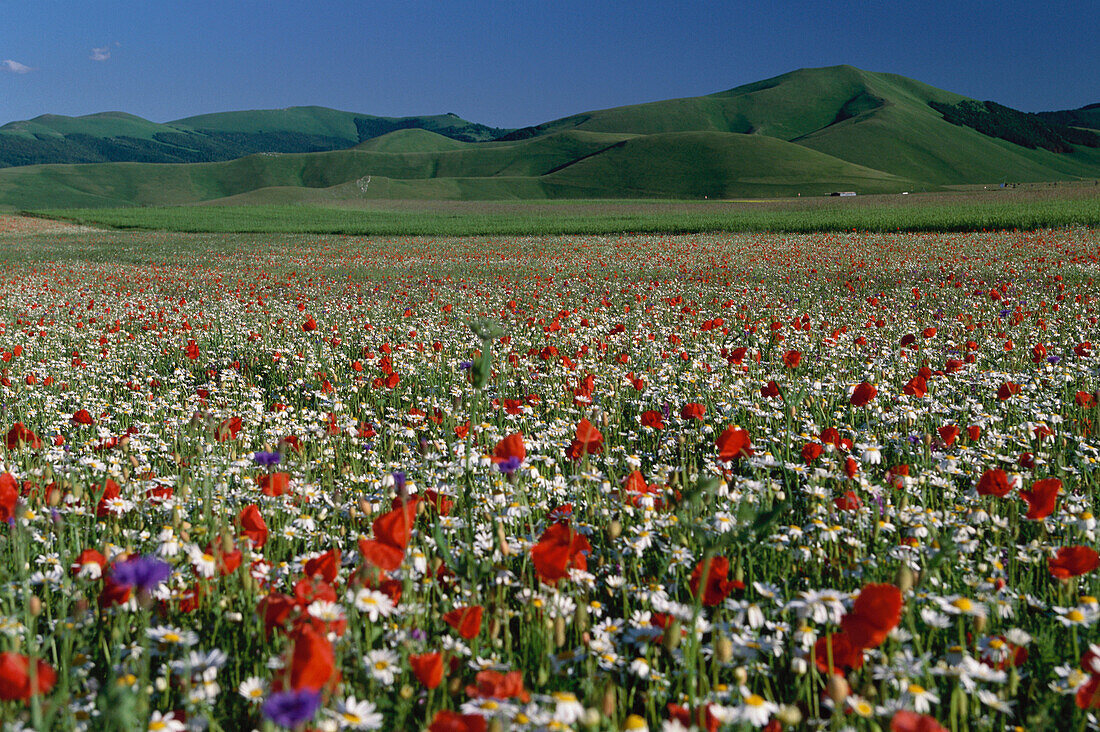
1084	399
1007	390
907	721
392	532
587	441
325	565
811	451
15	677
274	484
275	609
21	435
653	418
845	654
974	432
496	685
717	586
466	620
693	410
874	614
863	394
559	549
228	429
447	721
428	668
916	386
948	434
1073	561
733	444
510	448
253	526
82	417
830	436
309	324
9	497
994	482
312	662
792	358
87	561
1088	696
1041	498
848	502
770	390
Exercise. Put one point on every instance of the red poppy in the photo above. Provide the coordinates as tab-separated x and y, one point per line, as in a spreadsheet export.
21	435
974	432
811	451
86	557
275	609
274	484
392	532
495	685
558	549
325	565
111	491
313	661
1073	561
510	447
906	721
875	613
253	526
1007	390
309	324
83	417
9	497
693	410
15	677
1084	399
733	444
916	386
848	502
1042	497
653	418
845	654
792	358
466	620
228	429
717	586
830	436
994	482
447	721
770	390
863	394
112	593
588	440
428	668
948	434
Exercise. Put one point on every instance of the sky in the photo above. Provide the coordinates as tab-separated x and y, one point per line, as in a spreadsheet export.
518	63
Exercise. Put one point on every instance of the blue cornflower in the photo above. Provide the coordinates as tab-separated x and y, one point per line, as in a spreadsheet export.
142	573
267	459
291	708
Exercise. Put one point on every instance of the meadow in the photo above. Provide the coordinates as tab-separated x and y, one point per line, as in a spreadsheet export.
1031	207
731	480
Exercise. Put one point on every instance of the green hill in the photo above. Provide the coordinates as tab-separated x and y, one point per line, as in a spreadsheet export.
120	137
810	132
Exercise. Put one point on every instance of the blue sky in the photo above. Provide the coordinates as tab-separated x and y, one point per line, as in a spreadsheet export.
517	63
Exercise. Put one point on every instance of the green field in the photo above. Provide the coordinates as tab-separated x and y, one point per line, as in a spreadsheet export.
976	211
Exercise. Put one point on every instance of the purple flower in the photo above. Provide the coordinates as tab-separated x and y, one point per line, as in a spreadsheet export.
1053	359
509	465
141	573
399	481
465	365
267	459
291	708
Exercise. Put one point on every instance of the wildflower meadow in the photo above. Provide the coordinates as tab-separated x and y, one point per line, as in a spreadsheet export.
717	481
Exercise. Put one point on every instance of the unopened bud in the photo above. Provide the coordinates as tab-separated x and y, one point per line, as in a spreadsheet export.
837	688
607	702
741	675
559	631
979	623
671	640
407	692
580	617
789	715
904	579
614	529
35	606
723	649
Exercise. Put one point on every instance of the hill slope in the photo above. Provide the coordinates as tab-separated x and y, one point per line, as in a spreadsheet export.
120	137
811	131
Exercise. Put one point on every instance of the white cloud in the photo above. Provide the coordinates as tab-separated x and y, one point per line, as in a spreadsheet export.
100	54
14	66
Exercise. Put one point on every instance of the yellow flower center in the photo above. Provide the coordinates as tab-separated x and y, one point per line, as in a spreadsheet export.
1075	615
754	700
963	604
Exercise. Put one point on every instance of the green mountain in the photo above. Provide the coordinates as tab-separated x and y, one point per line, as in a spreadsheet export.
120	137
809	132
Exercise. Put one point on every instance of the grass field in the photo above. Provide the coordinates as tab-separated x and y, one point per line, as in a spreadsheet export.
1033	208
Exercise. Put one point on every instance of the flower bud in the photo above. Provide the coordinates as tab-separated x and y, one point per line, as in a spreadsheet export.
837	688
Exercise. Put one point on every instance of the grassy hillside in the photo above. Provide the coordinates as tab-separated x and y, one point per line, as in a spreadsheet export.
808	132
119	137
